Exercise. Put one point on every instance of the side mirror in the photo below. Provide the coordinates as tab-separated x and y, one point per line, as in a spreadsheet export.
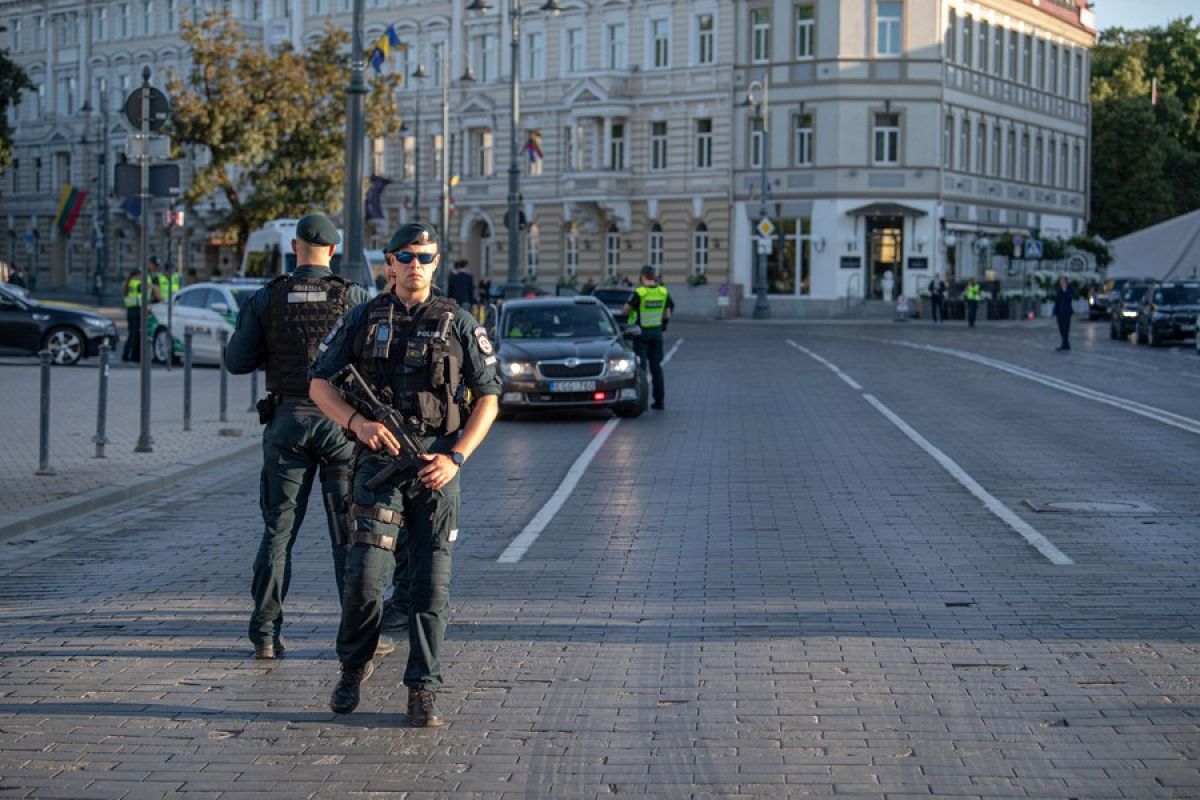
220	308
491	319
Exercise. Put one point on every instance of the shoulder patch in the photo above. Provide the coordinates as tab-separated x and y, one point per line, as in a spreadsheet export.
481	338
337	326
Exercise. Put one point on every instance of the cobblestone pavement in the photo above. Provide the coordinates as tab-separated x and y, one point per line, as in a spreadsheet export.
766	591
73	408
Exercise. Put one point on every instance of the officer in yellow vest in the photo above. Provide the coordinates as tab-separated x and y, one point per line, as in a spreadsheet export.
972	295
652	304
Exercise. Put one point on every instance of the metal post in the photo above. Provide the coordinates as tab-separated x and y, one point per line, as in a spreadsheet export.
419	75
444	245
44	467
145	444
170	310
101	437
354	267
253	393
513	287
187	380
224	405
762	309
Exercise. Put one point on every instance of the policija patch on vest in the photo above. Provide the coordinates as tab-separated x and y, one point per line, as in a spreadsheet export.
307	297
485	344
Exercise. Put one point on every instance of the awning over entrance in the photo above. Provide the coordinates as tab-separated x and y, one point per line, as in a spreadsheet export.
885	210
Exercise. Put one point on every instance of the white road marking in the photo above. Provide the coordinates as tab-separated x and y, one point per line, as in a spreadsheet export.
1150	412
1006	514
525	539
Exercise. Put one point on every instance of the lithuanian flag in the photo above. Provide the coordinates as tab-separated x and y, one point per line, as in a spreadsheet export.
69	206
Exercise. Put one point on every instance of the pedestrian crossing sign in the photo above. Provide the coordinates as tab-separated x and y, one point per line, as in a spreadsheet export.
1033	249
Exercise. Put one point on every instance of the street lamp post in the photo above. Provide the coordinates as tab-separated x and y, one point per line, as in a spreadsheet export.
419	75
100	225
513	286
444	177
352	262
762	308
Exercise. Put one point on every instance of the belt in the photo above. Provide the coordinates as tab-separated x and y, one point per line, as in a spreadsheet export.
382	514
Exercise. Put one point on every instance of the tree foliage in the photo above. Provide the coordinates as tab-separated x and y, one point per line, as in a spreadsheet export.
1145	157
268	127
13	81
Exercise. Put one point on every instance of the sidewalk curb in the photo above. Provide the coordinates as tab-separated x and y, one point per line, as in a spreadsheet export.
30	519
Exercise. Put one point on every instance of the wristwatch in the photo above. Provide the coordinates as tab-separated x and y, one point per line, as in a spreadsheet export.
457	457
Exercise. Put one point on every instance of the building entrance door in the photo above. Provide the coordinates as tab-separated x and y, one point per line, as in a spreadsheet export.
885	255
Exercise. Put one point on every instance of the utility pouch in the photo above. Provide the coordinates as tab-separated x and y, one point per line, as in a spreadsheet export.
266	409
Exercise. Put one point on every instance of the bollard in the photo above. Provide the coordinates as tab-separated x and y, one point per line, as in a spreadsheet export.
101	438
253	393
224	417
187	380
44	467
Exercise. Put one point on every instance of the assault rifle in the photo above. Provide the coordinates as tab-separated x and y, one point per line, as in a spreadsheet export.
358	393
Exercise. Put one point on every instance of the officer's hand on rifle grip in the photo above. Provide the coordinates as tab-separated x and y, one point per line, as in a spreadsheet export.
374	435
438	472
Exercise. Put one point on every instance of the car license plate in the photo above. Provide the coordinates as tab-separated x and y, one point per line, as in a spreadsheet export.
572	386
1187	328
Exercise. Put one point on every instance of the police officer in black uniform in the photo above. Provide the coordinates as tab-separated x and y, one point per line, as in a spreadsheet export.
431	358
280	328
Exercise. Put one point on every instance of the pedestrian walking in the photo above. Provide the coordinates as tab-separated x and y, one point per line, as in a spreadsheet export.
1064	298
652	305
280	328
425	353
971	295
461	286
937	298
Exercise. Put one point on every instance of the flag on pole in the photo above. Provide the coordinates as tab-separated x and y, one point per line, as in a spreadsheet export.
383	48
533	146
374	204
70	204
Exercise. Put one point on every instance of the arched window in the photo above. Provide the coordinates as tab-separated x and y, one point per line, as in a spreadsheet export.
612	251
700	248
654	246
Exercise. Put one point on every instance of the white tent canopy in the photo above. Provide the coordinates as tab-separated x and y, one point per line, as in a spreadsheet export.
1169	249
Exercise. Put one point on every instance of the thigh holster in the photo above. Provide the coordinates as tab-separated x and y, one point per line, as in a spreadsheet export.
387	516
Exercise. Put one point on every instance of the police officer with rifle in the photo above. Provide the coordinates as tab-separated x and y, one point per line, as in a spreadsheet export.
420	395
280	328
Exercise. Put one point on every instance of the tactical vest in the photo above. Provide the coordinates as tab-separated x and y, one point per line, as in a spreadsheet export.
415	362
133	298
300	311
651	306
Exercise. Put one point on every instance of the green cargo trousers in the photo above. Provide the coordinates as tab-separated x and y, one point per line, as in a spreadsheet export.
427	534
297	446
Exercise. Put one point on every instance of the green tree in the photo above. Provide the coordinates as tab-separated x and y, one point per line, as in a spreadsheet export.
12	81
269	126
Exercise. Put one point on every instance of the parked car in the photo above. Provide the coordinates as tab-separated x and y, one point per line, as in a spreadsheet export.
567	352
615	298
70	334
1102	298
1168	312
205	309
1122	315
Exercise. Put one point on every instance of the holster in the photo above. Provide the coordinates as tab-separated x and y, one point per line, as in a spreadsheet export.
266	408
339	517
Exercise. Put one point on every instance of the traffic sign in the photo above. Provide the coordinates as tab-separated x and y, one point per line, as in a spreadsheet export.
765	227
160	109
764	245
151	147
1033	249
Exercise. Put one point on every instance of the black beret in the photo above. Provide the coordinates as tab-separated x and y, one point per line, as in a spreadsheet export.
317	229
649	271
411	233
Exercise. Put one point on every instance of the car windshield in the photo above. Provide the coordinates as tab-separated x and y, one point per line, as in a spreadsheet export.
1180	295
558	322
1134	293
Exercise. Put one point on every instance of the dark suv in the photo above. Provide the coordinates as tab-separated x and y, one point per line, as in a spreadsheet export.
1168	312
1123	311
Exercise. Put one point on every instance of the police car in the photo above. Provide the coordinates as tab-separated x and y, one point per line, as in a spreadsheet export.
206	309
567	352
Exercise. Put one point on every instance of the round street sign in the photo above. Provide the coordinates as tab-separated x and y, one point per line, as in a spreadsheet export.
160	109
765	227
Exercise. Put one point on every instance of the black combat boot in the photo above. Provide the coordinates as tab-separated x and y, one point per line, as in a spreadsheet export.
421	710
386	645
345	695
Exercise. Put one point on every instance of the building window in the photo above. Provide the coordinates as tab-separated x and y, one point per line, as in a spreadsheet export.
14	176
437	52
100	32
660	38
704	143
887	139
964	146
1079	77
37	174
1052	165
980	147
1039	66
172	15
408	161
1025	156
535	47
889	27
485	57
948	143
575	55
654	246
952	36
570	254
612	251
1054	69
997	51
123	21
758	143
806	27
700	249
1038	158
39	33
616	151
984	30
615	39
965	49
658	145
705	53
147	17
481	152
802	151
995	170
760	35
1079	182
1011	155
1012	55
1064	179
14	26
1027	59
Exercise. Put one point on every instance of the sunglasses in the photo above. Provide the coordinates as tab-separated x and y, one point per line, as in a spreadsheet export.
407	257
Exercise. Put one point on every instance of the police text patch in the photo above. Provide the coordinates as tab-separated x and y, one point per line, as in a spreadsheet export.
307	297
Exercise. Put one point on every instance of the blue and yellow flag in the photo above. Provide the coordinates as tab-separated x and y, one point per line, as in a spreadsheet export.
383	48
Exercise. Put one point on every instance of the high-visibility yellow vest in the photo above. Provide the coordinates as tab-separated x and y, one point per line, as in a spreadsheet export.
974	292
652	304
133	297
167	283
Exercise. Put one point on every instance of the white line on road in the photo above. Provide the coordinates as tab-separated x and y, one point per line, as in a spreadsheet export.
1006	514
525	539
1150	412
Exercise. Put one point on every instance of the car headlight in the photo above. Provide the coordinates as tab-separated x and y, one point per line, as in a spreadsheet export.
622	366
97	323
1128	313
517	369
